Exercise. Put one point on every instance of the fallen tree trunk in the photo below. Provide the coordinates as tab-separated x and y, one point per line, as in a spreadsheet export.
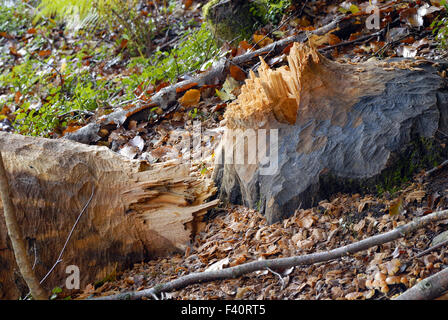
137	211
281	263
318	127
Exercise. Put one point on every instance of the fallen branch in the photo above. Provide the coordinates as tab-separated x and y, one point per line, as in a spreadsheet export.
427	289
167	96
434	170
281	263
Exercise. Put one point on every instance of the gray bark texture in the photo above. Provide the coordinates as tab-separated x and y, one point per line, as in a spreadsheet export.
355	128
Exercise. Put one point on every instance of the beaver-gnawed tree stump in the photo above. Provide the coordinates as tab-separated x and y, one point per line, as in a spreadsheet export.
324	127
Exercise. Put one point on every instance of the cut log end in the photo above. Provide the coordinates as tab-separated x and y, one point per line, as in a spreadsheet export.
137	211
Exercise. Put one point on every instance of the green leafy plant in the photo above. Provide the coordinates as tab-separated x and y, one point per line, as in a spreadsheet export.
136	27
276	10
49	100
13	20
195	51
440	27
55	292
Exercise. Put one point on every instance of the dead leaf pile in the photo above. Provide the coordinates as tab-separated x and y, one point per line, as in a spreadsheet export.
239	235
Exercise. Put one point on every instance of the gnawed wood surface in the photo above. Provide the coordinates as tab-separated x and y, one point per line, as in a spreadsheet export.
332	127
137	211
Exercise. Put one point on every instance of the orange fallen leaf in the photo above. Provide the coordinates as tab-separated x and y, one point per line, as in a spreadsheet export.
237	73
261	40
5	110
408	40
71	129
123	43
162	85
188	3
4	35
395	207
245	45
44	53
31	31
17	97
14	52
288	48
328	38
190	98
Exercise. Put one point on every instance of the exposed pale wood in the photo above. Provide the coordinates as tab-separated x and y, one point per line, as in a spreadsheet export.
137	211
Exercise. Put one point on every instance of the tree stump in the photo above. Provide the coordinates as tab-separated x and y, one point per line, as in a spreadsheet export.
318	127
137	211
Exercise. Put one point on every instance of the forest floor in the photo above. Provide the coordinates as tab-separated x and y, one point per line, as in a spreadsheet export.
238	235
41	64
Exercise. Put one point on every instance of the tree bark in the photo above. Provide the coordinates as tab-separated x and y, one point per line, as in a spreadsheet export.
15	234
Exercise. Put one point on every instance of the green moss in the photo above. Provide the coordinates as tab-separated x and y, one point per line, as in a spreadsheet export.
231	25
421	154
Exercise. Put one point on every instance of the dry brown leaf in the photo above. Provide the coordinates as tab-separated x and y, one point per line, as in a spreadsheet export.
240	292
306	221
354	296
417	195
392	267
44	53
262	40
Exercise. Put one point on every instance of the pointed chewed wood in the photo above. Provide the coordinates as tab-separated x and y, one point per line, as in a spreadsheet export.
328	127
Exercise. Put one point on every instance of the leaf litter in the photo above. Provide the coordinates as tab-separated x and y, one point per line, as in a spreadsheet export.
239	235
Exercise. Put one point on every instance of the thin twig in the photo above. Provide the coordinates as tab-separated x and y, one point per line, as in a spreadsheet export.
59	259
437	246
282	263
279	276
435	169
